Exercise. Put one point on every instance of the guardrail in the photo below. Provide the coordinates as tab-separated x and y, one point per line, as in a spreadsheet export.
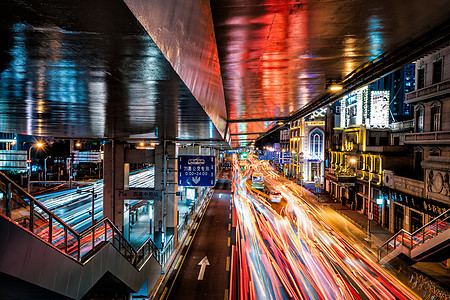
21	208
412	240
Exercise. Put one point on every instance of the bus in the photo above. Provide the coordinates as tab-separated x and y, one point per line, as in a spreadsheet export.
257	181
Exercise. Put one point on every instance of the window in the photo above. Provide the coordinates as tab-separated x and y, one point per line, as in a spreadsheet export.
436	117
316	142
437	71
377	161
421	78
419	119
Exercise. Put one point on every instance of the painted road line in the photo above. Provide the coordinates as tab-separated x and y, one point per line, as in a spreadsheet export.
229	216
164	293
195	225
178	262
189	239
225	297
229	227
229	241
228	264
203	263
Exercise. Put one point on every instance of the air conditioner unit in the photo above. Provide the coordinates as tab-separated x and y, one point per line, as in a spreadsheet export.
388	177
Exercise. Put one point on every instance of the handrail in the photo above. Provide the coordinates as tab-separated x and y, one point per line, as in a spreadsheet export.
412	240
20	207
429	223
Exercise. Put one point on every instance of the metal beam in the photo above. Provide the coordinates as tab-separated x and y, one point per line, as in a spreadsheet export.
374	70
381	66
258	120
234	134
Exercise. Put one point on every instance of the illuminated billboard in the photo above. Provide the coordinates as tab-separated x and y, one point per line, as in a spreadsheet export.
379	109
354	107
365	107
12	160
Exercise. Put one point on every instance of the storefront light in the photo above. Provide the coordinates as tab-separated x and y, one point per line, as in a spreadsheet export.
380	201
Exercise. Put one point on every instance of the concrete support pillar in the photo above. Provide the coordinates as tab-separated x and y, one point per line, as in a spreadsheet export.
116	177
406	222
159	185
165	212
171	189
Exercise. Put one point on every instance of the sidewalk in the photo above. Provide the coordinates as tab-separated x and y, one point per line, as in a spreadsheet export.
379	235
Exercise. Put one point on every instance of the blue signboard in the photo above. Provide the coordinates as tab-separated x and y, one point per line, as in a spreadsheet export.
286	160
268	155
196	170
286	154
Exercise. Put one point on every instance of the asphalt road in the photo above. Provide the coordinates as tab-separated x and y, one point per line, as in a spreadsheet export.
212	240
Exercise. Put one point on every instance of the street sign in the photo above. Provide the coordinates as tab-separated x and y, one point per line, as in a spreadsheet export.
196	170
138	194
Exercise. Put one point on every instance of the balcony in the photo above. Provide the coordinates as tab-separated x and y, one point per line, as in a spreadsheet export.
428	92
345	175
438	137
376	178
402	126
403	184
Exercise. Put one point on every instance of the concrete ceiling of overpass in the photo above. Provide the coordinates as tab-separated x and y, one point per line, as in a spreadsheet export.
83	68
88	68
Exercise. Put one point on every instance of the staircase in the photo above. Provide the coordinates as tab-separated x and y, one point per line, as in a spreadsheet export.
431	242
40	249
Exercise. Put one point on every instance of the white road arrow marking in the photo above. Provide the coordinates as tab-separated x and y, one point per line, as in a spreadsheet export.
203	263
196	179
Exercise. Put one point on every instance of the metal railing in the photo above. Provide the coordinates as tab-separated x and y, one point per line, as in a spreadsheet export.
166	251
412	240
21	208
197	209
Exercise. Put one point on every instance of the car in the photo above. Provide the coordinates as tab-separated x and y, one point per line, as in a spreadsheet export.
275	196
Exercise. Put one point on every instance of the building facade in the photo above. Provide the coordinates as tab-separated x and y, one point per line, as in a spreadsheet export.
398	175
307	140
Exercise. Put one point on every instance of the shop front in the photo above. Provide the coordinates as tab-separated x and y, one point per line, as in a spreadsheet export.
418	211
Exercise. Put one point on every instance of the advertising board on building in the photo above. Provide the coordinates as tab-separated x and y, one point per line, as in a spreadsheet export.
379	109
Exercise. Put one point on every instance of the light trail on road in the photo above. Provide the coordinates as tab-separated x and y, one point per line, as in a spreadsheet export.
75	209
296	254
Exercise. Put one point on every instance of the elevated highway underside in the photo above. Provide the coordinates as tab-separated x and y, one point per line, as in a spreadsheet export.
198	70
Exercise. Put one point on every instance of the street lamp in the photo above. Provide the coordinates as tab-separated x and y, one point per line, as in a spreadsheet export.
94	195
369	201
37	145
45	170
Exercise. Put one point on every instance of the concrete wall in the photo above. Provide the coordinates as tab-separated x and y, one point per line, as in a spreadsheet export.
25	256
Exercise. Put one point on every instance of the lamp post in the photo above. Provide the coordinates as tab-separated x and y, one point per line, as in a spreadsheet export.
37	145
100	163
94	195
369	201
45	170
